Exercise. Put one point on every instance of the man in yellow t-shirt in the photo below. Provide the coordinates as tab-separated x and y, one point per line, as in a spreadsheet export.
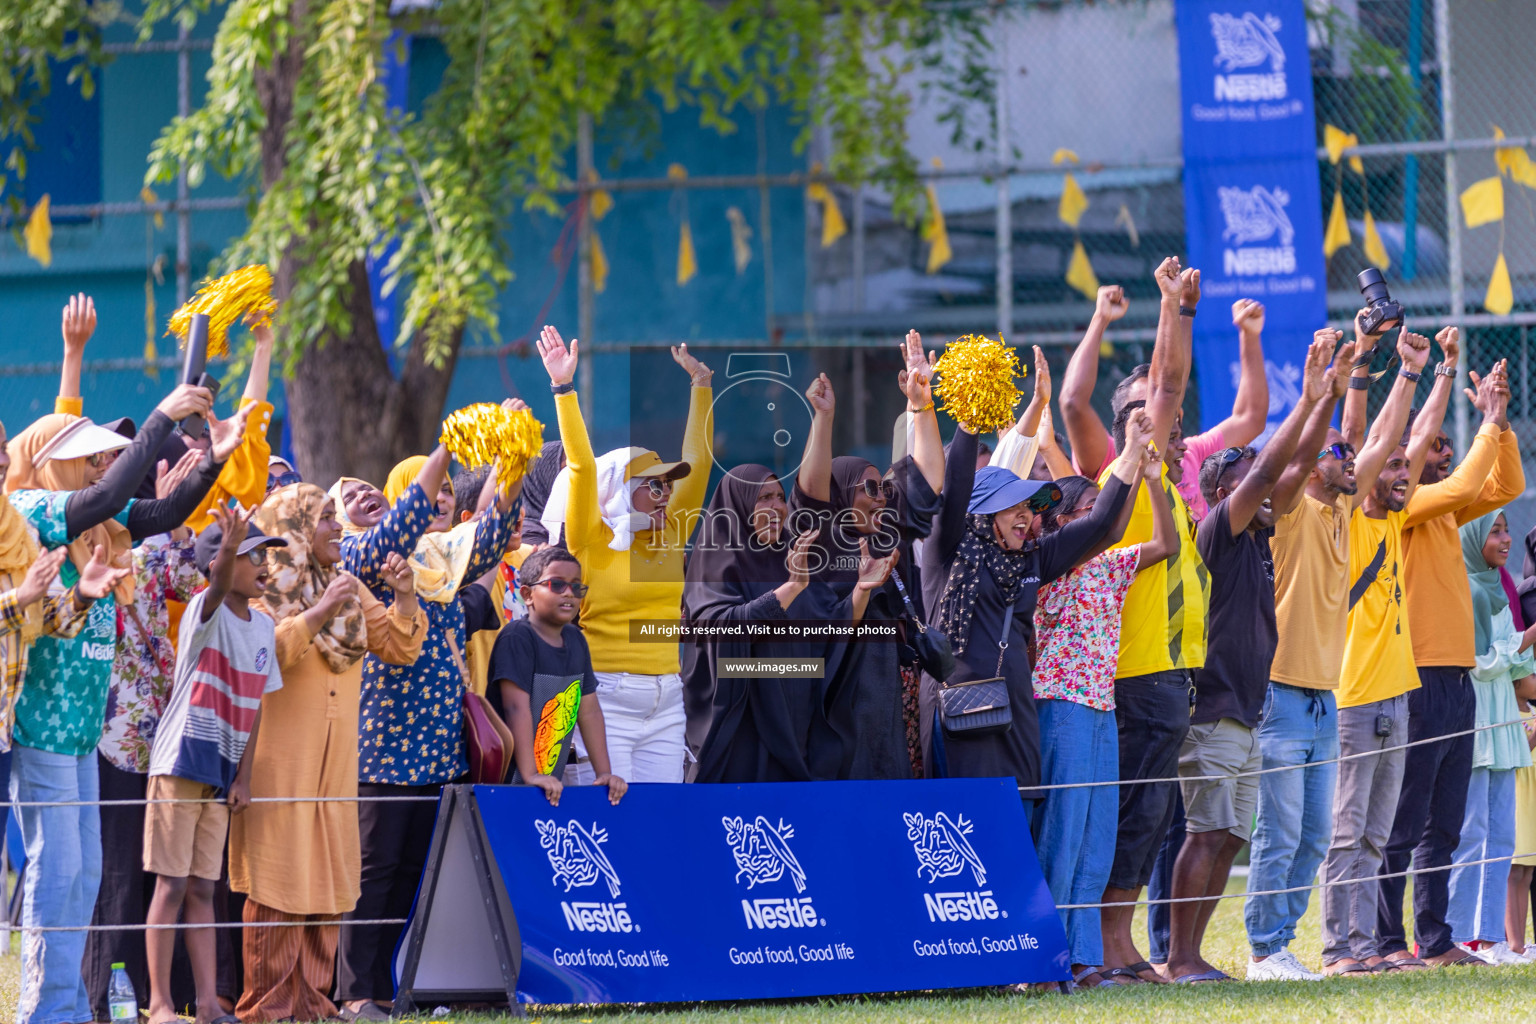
1300	721
1377	674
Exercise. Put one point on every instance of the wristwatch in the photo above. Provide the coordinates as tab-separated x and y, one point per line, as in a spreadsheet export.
1443	370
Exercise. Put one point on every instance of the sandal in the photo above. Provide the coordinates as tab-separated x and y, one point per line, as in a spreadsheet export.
1142	967
1355	967
1203	977
1089	972
1121	972
1465	960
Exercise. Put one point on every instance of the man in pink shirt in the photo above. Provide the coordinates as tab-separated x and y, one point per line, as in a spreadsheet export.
1092	447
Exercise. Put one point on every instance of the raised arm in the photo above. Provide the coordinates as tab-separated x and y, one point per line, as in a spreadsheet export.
1387	431
584	526
1352	422
688	493
107	497
1277	454
915	383
235	523
1169	373
1507	480
79	325
403	524
1165	532
1085	431
1061	550
1461	488
815	477
1293	481
1136	457
959	480
1250	409
1427	425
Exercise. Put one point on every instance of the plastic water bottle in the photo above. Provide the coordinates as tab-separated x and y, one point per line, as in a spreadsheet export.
124	1005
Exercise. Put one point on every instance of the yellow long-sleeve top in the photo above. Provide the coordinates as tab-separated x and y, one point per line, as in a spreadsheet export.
645	582
1434	576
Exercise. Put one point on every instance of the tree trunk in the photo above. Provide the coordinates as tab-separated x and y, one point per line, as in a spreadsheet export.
348	413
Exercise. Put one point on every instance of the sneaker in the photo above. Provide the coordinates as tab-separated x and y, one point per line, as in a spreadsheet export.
1281	966
1500	955
1481	954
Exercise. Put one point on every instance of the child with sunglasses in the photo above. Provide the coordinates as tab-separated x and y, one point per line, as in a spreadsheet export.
542	679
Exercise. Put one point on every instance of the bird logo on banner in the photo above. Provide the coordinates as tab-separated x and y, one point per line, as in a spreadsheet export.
761	851
576	855
942	848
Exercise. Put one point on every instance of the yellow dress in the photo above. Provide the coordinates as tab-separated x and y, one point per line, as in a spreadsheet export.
304	858
1525	808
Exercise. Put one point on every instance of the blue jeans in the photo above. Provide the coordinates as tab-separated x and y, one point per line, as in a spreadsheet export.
1075	828
1295	819
1476	910
63	874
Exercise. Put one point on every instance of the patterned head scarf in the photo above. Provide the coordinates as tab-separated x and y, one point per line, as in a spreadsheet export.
18	550
69	475
298	579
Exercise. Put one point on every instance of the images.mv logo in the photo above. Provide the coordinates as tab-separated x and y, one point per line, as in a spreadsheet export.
944	850
762	855
577	858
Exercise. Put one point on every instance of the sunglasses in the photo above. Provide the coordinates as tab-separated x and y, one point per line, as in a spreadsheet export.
1440	444
1342	452
876	488
98	459
659	489
283	480
557	586
1229	456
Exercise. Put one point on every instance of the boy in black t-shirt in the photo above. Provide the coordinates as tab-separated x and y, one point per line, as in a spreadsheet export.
542	681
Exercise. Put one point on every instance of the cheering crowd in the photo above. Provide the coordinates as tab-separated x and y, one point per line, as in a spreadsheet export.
184	621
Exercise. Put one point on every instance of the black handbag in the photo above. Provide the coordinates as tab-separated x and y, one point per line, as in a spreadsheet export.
932	647
979	707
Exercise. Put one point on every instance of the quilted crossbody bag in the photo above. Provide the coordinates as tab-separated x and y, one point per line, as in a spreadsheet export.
979	707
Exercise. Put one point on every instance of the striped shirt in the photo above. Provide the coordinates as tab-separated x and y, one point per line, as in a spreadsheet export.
223	667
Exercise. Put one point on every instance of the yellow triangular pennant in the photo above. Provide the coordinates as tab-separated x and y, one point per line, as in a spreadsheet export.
1501	295
1073	202
1337	235
833	226
936	234
147	195
1483	202
1336	141
1080	273
741	238
1515	162
687	262
39	233
599	264
1374	250
1062	156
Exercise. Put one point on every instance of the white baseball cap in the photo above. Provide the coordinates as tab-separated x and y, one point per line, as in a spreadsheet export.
80	439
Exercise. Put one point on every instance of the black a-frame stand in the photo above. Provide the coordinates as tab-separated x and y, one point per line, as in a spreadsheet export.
462	943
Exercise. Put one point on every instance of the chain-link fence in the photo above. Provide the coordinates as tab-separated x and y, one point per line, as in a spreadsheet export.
1425	86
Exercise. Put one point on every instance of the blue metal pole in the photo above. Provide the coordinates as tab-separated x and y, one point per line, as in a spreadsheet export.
1411	165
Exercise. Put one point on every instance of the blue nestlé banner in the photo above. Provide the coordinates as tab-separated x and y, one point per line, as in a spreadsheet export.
1252	207
724	892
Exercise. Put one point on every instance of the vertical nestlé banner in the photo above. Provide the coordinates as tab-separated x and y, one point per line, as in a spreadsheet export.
1252	206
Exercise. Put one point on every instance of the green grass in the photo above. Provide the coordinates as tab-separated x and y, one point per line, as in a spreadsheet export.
1500	995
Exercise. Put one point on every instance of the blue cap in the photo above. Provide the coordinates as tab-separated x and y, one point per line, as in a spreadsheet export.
997	488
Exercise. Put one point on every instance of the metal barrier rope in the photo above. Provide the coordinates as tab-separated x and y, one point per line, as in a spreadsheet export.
1297	888
1061	906
1277	768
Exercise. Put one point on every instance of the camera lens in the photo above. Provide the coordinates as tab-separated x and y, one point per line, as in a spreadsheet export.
1372	285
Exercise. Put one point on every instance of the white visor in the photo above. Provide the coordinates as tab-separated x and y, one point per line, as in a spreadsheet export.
79	439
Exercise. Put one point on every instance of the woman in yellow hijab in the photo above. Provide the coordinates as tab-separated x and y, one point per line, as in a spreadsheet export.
411	718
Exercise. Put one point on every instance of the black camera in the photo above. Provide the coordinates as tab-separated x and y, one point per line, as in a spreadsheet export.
1381	313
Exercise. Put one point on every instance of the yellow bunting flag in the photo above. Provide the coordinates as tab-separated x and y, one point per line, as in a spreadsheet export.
39	233
1337	235
1125	219
599	265
934	231
1063	156
1514	161
1483	202
1080	273
147	195
1374	250
1501	296
833	226
1336	141
741	238
687	262
1073	202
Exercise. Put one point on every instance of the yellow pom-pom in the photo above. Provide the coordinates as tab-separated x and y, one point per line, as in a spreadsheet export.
485	433
226	299
973	381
